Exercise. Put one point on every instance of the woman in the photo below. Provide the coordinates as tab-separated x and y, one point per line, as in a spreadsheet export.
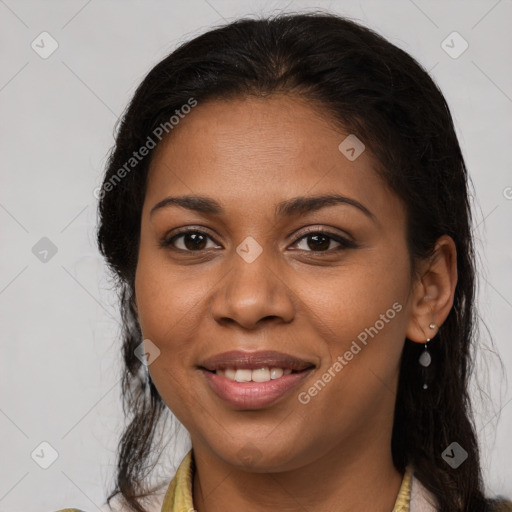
286	211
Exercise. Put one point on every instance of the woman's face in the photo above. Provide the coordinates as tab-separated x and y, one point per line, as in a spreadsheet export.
267	269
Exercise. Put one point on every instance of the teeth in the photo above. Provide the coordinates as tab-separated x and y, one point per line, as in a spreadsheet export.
259	375
275	373
243	375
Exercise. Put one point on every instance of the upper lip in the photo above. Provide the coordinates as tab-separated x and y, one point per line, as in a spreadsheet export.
255	360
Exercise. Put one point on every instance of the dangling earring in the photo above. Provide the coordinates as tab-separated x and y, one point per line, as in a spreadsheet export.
425	358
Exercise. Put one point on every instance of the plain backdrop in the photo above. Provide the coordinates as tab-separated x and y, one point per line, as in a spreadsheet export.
60	362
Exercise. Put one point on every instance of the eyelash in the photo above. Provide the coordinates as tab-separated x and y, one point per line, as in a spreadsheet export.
345	243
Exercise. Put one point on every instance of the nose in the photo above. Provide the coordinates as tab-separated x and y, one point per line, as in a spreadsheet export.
253	292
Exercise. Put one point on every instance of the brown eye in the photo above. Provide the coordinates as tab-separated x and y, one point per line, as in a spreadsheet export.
192	241
319	241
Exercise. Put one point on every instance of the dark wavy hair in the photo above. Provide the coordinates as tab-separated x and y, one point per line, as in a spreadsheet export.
378	92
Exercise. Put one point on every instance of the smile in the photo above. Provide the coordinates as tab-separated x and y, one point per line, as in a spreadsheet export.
253	389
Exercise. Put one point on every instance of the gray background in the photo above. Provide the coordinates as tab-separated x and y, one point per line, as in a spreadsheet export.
60	358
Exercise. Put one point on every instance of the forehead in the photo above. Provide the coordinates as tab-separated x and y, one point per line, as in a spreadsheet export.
254	152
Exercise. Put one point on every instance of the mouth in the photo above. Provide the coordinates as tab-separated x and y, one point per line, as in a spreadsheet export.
263	374
254	380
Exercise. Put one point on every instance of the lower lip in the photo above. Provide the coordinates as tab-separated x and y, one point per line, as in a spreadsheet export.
253	395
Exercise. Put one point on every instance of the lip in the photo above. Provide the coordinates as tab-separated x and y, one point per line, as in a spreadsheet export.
255	360
253	395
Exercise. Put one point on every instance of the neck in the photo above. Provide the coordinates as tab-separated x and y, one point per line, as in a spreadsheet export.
357	477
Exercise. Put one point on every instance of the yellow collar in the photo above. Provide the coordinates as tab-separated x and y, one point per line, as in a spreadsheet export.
178	497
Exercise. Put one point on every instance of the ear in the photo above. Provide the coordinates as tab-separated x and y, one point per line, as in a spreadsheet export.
432	296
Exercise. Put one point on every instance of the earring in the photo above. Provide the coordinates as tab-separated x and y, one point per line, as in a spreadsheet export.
425	358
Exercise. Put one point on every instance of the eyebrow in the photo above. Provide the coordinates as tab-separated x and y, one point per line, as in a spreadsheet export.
288	208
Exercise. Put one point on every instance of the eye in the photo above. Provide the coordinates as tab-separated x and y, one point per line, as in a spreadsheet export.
194	240
320	241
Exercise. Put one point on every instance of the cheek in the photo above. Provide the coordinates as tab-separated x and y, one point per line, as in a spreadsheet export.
165	303
354	297
166	298
363	313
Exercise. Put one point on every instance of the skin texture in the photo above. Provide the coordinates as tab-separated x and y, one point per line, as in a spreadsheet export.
306	298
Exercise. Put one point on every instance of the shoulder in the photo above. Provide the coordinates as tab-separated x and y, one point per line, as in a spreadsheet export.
501	505
422	500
